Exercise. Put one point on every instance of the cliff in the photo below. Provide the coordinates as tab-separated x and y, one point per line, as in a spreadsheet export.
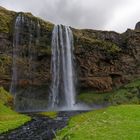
104	60
107	60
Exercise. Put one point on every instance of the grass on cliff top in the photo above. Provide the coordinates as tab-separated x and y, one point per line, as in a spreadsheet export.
9	119
129	94
113	123
6	18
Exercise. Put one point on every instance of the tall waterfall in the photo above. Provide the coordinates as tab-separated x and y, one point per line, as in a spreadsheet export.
62	68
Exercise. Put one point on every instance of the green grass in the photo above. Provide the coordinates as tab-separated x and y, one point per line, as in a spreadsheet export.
113	123
129	94
9	119
49	114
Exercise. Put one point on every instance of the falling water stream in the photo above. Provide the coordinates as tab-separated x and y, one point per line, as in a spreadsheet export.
25	41
16	39
63	92
62	68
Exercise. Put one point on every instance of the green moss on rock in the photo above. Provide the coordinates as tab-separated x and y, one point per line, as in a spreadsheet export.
110	47
5	97
5	63
101	40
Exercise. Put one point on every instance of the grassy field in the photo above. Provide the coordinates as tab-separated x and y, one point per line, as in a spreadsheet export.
9	119
113	123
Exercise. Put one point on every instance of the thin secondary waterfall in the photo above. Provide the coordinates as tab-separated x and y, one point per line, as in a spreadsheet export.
62	68
25	40
17	27
25	44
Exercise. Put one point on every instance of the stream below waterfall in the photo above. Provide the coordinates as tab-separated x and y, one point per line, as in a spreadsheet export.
40	127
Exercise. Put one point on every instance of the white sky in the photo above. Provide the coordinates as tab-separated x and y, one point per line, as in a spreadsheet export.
117	15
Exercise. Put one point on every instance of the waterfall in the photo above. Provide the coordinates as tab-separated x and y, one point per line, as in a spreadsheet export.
62	68
16	35
25	42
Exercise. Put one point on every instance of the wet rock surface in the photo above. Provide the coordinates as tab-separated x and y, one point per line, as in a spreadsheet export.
40	128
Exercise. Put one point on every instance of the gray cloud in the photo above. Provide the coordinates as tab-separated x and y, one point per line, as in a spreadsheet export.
96	14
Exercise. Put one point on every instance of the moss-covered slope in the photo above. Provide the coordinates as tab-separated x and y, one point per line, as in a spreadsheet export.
128	94
9	119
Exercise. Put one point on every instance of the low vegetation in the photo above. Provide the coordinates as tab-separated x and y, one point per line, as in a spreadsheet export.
113	123
129	94
9	119
5	97
49	114
6	19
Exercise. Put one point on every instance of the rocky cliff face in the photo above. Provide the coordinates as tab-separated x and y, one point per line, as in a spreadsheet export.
104	60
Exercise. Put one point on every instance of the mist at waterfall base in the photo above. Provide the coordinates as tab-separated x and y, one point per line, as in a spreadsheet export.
62	95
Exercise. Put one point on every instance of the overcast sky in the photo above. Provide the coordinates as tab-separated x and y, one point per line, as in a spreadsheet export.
115	15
